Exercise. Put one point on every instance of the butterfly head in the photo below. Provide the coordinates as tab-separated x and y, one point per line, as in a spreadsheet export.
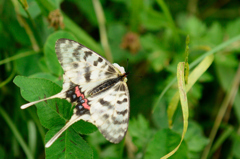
124	76
122	72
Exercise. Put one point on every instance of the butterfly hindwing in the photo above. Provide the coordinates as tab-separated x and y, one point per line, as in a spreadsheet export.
110	112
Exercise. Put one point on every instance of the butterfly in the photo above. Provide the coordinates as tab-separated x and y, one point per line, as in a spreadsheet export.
96	87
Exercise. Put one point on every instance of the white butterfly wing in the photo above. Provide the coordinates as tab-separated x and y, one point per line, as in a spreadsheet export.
110	112
83	66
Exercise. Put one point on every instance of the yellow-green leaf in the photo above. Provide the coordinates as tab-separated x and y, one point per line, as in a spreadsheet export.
193	77
184	104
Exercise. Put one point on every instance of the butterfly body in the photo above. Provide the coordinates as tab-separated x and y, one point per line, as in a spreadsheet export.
96	87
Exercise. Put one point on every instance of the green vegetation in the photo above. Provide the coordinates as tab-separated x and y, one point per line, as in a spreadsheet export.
183	110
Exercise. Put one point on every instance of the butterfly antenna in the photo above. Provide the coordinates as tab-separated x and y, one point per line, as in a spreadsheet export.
127	66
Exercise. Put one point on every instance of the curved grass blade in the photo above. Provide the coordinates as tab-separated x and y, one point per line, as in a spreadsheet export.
184	104
193	77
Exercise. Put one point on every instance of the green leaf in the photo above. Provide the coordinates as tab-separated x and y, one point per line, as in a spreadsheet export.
27	65
233	28
83	127
33	89
195	27
48	76
49	51
194	138
215	34
193	77
225	66
69	145
18	32
138	128
163	142
152	19
157	60
33	9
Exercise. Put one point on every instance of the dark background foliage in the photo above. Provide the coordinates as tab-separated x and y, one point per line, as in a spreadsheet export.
152	35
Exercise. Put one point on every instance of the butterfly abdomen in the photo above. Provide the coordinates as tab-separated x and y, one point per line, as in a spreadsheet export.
104	86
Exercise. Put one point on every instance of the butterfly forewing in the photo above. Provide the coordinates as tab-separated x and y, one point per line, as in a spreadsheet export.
83	66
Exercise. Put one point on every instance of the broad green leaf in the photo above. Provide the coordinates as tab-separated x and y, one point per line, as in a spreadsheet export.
233	28
157	60
151	42
215	34
195	27
27	65
42	64
48	76
83	127
225	66
50	54
33	89
193	77
69	145
163	142
184	104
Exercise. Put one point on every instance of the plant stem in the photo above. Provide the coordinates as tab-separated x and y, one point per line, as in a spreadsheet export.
102	29
228	100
